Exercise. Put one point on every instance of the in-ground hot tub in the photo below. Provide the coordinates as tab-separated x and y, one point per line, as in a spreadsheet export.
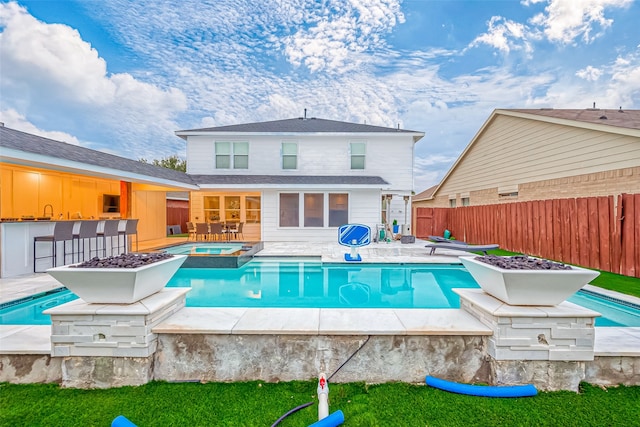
215	254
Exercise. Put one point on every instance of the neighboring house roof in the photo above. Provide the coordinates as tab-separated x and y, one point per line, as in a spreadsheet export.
298	126
280	180
626	119
426	194
24	148
626	122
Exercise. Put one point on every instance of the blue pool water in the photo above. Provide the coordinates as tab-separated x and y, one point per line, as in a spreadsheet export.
28	311
314	284
310	283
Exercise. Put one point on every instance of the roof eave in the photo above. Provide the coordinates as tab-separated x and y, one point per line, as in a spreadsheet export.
53	163
605	127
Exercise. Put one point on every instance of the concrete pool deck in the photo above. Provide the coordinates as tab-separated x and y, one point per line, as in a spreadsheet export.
36	340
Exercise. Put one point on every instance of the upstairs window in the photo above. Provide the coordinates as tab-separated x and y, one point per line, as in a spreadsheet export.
358	151
232	155
289	155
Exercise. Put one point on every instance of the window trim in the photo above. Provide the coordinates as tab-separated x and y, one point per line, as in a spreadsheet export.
231	155
352	155
283	155
302	219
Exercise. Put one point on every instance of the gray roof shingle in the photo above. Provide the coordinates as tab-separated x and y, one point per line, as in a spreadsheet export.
17	140
301	125
613	117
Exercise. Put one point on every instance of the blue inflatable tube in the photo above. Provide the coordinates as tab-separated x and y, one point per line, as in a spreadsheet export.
332	420
483	390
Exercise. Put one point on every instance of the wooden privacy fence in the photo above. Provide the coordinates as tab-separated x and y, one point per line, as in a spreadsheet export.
178	213
594	232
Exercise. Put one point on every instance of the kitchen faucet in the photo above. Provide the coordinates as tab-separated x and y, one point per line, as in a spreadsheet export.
44	213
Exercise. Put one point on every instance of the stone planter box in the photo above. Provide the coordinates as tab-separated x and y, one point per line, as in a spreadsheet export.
117	285
528	287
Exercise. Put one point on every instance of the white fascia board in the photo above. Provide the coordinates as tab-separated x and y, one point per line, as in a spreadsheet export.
53	163
416	135
345	187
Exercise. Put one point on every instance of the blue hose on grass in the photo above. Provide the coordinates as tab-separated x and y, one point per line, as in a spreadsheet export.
296	409
482	390
333	420
122	421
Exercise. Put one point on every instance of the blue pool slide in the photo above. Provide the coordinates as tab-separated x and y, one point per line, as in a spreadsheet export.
482	390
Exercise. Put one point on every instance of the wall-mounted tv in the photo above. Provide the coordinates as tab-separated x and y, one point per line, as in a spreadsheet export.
110	203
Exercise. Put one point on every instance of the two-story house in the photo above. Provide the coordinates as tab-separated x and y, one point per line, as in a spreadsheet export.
299	179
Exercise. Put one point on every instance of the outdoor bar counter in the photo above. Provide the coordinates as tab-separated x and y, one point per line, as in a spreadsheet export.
16	245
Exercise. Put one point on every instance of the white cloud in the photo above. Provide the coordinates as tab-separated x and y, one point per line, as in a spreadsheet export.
618	85
564	21
49	67
624	89
506	35
333	42
589	73
14	120
52	56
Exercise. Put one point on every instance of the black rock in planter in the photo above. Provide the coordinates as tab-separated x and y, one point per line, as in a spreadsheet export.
522	262
131	260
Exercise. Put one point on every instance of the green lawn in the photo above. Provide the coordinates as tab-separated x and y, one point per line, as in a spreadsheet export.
614	282
261	404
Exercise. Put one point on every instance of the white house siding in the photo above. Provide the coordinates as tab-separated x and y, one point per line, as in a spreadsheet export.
364	208
387	156
514	150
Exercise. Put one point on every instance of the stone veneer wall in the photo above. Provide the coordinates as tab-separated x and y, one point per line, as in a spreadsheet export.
390	358
383	358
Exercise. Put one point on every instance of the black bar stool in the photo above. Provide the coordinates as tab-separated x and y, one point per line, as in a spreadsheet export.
109	230
88	230
62	232
130	228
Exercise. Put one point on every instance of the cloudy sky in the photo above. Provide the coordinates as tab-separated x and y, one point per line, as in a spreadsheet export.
121	76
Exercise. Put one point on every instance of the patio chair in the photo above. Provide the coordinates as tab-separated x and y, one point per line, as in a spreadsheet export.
238	231
216	231
440	239
191	229
202	230
461	246
231	228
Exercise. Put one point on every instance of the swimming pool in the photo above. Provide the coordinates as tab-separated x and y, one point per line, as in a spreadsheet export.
310	283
